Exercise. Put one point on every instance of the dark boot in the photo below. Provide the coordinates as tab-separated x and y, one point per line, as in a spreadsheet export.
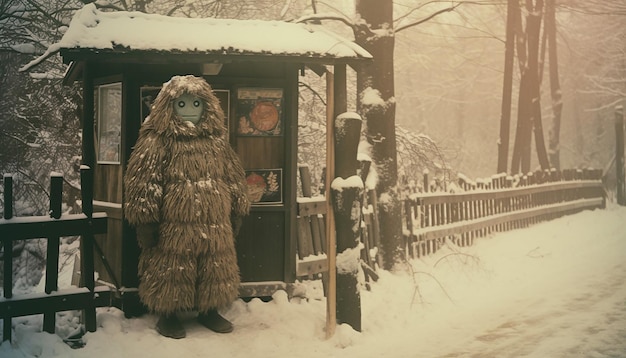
213	321
169	326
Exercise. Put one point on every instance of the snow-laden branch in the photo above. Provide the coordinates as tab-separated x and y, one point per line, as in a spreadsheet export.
326	16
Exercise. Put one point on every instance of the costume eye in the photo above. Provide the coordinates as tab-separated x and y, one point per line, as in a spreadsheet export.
181	104
196	103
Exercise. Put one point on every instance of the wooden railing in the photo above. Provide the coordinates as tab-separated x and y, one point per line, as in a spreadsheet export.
52	228
311	227
499	204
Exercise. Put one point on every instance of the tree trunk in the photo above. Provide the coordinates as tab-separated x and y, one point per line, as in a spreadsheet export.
555	86
529	104
377	107
534	29
507	87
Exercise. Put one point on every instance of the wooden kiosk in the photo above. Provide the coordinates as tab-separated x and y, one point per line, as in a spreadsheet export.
123	59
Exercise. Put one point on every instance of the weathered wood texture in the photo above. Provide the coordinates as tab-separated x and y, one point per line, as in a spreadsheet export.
619	156
502	204
52	228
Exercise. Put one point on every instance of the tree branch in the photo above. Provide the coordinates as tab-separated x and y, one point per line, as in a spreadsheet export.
315	93
428	18
319	17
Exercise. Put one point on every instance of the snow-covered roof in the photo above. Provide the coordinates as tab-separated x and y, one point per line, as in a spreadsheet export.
124	32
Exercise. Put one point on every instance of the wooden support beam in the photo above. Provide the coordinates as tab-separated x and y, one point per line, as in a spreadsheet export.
331	292
65	300
21	228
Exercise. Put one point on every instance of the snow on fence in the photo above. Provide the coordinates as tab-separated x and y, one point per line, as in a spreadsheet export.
52	228
500	204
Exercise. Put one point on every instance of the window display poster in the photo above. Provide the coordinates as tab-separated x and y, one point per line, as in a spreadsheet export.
259	111
265	186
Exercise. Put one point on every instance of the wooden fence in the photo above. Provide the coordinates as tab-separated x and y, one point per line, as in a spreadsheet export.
52	228
499	204
311	227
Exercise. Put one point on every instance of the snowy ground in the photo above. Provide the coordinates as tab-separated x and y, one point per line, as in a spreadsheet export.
557	289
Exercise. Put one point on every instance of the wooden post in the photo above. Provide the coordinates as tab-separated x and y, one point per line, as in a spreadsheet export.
87	247
347	192
331	293
8	196
52	252
88	147
619	155
7	246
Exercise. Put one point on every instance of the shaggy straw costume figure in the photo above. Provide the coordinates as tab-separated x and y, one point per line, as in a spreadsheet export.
185	193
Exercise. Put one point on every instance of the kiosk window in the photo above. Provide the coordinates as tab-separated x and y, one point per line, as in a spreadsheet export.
109	122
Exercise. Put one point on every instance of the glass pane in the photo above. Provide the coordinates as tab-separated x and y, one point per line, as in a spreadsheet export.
109	104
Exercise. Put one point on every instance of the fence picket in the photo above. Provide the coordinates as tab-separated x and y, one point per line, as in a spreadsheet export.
7	246
52	249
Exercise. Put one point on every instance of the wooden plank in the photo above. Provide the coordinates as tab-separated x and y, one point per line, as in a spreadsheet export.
316	237
113	210
311	207
22	228
305	179
52	278
321	224
305	246
64	300
310	267
434	232
7	246
6	329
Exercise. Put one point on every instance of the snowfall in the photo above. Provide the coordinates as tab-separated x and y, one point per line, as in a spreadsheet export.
555	289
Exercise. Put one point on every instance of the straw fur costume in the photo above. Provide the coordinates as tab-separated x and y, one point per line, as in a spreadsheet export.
185	184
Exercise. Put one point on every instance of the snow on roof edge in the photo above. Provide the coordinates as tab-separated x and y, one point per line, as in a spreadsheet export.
91	28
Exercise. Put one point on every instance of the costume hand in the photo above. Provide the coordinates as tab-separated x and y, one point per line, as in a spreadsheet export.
147	235
236	221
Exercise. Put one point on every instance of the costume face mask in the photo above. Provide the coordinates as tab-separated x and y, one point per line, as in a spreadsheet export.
189	107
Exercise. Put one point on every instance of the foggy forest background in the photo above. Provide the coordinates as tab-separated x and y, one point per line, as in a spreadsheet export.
448	84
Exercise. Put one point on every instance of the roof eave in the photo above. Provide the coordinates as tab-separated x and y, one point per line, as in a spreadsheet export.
171	56
77	56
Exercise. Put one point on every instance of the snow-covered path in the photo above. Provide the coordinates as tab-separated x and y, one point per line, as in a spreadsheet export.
556	289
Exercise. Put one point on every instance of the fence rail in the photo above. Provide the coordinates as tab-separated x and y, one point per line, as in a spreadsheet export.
501	204
52	228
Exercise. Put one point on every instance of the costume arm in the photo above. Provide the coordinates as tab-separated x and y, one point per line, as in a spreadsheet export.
237	183
143	181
